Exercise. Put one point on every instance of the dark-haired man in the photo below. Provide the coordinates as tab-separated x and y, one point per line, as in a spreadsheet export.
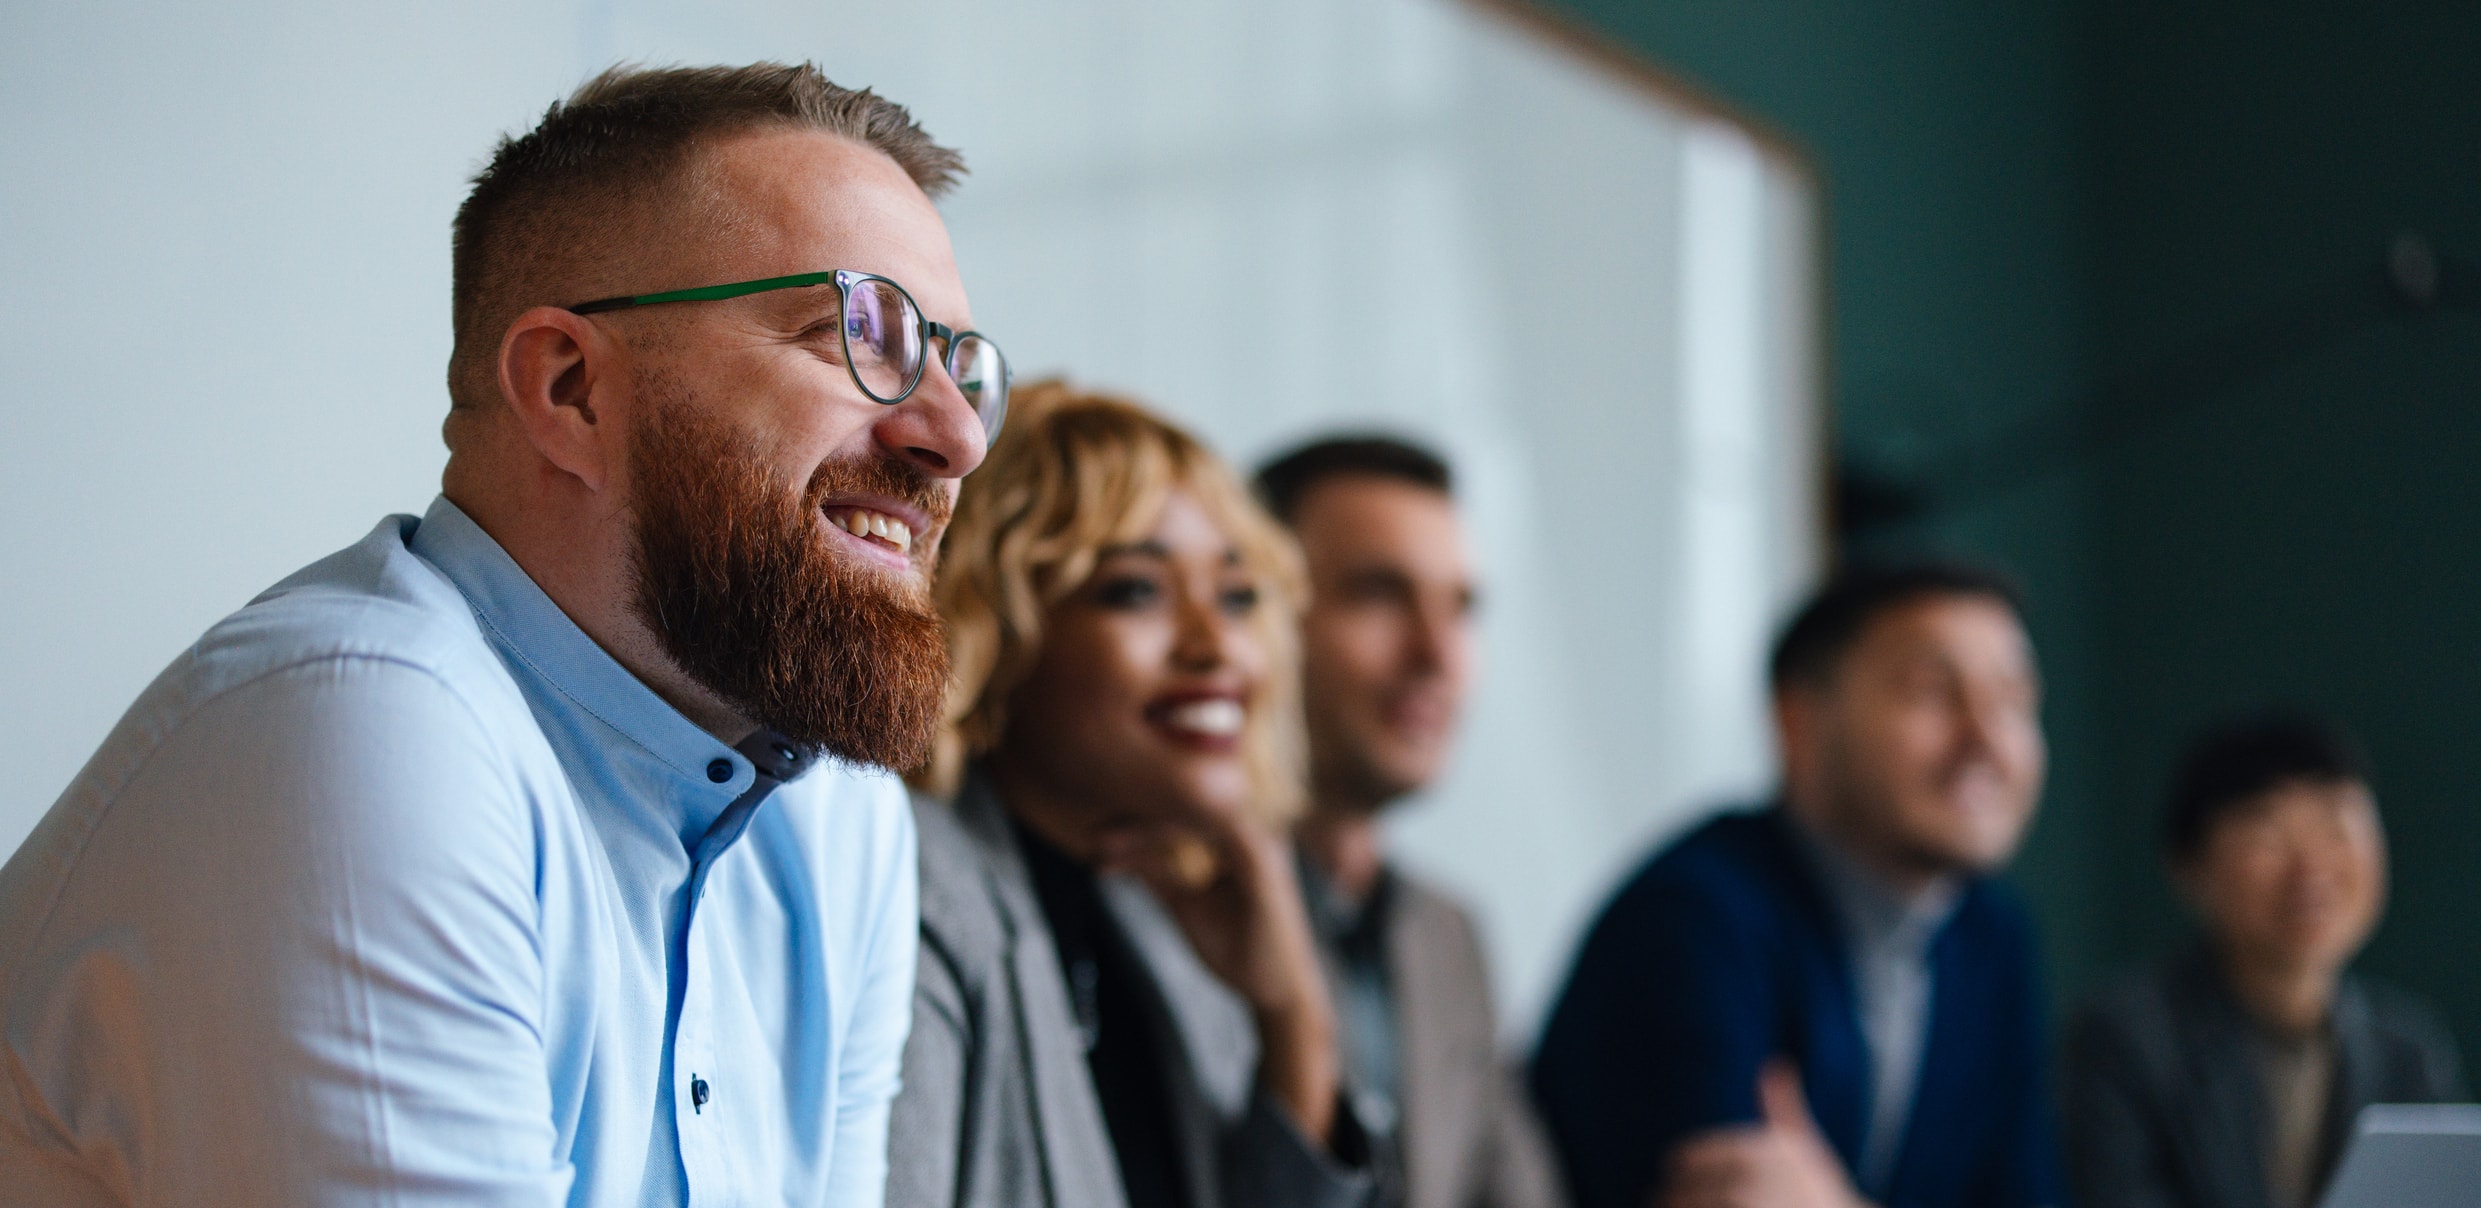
2230	1075
1829	1002
1387	649
533	851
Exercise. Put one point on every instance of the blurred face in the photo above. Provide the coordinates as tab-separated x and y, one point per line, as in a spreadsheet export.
1387	640
786	525
1148	677
1923	750
2293	880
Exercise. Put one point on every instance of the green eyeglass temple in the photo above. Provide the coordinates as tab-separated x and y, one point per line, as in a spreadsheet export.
707	293
991	404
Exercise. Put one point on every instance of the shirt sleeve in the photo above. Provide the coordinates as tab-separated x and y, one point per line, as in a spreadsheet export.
872	1065
1664	1025
294	959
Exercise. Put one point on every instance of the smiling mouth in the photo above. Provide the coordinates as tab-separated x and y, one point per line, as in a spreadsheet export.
1211	718
872	526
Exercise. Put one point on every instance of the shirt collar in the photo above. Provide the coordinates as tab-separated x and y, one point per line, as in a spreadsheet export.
1348	925
530	630
1875	915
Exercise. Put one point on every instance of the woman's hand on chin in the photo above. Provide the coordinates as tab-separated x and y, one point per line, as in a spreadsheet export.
1230	884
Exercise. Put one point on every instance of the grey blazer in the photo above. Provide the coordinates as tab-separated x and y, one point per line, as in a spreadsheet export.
998	1110
1469	1135
2163	1105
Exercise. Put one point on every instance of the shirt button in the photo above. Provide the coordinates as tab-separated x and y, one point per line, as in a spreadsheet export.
719	771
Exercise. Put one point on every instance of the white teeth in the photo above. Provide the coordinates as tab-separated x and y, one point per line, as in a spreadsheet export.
863	523
1221	718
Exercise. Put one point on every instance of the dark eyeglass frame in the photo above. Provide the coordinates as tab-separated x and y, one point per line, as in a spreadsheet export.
844	280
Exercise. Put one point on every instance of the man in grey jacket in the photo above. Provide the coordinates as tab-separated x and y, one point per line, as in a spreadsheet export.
2229	1076
1386	647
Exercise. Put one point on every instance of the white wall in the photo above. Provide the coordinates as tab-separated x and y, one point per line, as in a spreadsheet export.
223	237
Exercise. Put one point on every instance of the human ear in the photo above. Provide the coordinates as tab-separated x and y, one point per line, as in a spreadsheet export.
1796	719
553	365
1797	723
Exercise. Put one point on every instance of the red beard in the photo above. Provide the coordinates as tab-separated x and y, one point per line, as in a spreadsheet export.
747	593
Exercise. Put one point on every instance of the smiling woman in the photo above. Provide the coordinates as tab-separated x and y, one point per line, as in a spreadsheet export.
1112	930
1076	491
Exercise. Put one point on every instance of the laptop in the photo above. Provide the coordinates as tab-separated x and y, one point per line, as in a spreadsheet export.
2423	1155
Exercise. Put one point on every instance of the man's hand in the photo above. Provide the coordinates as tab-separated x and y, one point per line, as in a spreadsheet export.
1781	1162
1229	883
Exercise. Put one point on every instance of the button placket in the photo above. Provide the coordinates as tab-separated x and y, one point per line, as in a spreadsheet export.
699	1092
695	1105
692	1058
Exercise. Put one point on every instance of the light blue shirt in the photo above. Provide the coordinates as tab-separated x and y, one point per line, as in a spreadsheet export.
396	889
1893	978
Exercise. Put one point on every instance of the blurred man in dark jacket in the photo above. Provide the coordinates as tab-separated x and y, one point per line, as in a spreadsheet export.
2229	1076
1830	1002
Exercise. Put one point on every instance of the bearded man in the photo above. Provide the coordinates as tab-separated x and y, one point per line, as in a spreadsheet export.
539	849
1832	1002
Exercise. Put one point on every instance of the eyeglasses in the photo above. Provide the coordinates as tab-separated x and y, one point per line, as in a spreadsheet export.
886	339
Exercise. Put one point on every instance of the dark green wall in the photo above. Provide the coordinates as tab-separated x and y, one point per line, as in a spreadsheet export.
2312	533
1950	141
2024	204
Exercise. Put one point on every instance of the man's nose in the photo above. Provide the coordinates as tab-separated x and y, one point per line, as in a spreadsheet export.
1433	637
1978	723
935	428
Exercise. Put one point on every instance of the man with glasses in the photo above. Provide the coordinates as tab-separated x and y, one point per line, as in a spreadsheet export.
537	850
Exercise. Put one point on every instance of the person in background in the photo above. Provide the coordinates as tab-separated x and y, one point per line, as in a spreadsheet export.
1831	1001
1119	999
1387	653
541	849
2229	1076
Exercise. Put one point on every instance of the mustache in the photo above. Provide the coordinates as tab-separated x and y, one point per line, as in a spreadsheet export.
868	475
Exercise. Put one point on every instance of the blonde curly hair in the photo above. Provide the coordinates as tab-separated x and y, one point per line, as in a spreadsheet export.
1077	473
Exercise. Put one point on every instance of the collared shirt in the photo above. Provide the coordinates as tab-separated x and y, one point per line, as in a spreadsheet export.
1889	934
1354	936
397	889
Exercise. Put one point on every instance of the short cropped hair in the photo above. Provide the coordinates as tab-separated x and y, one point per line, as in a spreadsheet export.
1284	481
1081	472
1813	644
559	195
2234	761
